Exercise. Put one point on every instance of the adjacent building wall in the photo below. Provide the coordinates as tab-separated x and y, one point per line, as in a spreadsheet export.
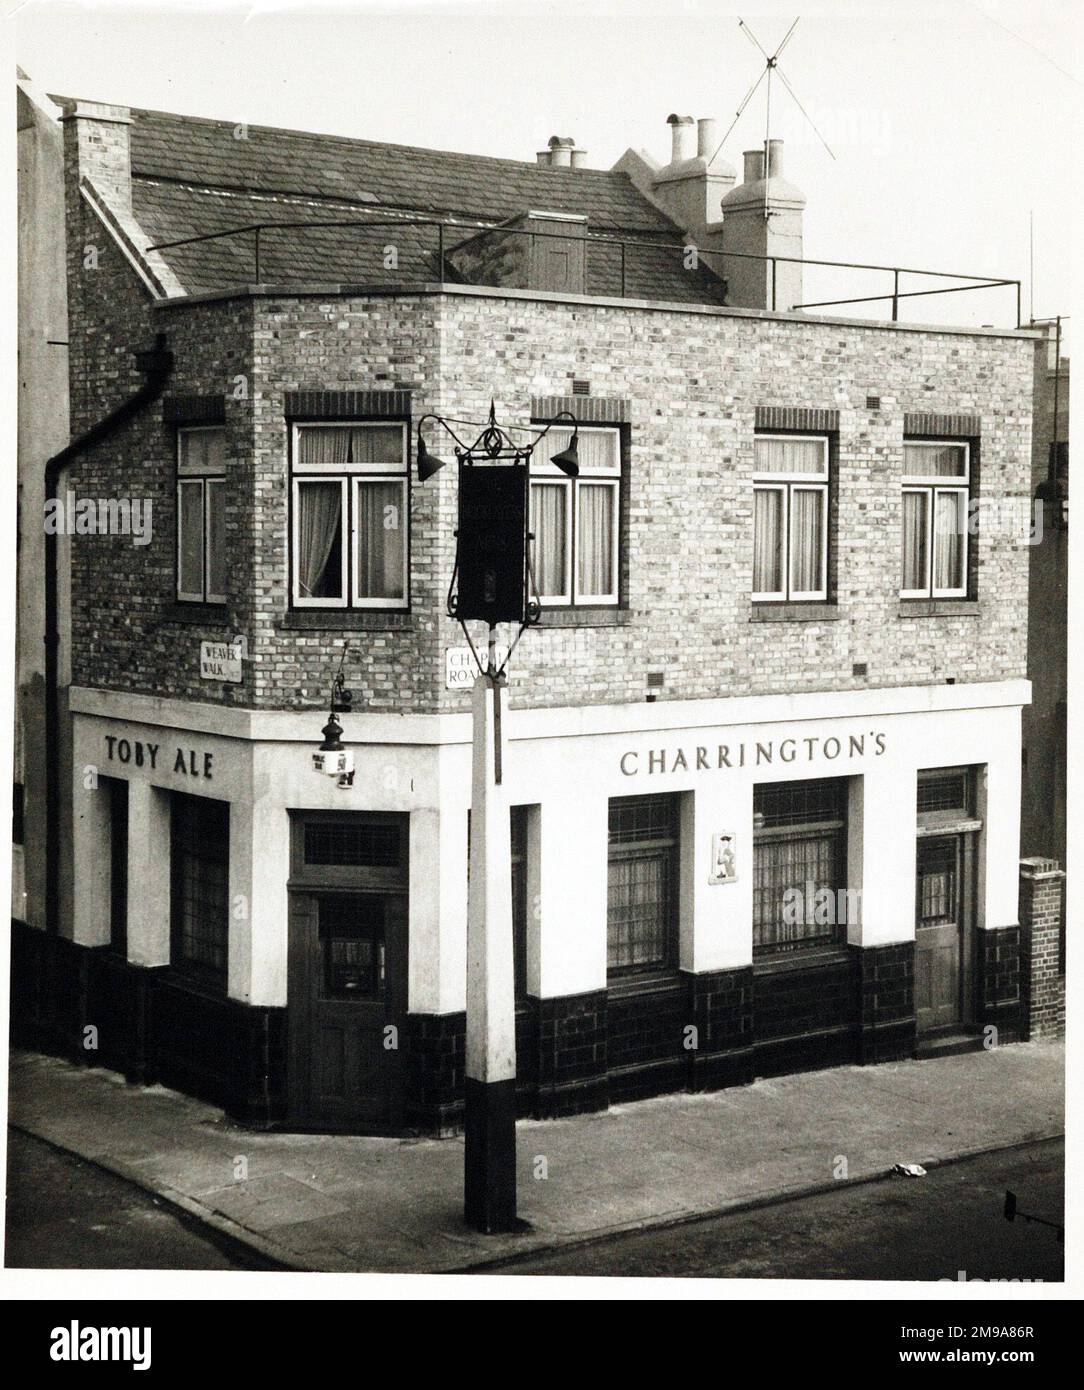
42	432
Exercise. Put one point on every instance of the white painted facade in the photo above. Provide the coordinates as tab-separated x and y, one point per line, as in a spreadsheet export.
567	763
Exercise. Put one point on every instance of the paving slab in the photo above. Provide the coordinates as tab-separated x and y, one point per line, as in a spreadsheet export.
345	1203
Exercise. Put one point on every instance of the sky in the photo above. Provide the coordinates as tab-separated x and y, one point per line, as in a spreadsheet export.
952	124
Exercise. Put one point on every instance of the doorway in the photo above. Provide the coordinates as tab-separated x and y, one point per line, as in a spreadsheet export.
944	902
347	986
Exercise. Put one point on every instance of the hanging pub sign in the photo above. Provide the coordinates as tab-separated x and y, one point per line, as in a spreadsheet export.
491	553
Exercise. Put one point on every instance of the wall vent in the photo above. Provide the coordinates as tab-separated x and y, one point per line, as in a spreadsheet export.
581	387
873	402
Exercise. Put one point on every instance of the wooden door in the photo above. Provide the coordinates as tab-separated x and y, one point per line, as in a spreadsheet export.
939	931
557	264
347	992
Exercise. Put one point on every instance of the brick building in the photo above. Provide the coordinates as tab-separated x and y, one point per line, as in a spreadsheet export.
776	684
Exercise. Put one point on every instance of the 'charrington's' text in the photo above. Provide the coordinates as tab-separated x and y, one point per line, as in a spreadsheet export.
732	755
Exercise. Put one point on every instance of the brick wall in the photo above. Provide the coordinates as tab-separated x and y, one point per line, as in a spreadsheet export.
1042	883
694	382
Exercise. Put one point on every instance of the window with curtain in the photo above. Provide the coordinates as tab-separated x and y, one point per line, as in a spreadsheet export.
349	532
574	521
799	865
936	493
199	890
642	892
201	515
790	518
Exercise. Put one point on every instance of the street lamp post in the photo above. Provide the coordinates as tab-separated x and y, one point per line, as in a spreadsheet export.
491	582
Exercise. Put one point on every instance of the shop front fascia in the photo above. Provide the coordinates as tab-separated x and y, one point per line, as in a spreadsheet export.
593	1028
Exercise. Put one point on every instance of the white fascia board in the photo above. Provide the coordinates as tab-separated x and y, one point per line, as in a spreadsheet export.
434	730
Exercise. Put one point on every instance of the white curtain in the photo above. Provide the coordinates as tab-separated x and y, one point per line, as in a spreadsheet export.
549	523
319	527
944	461
787	871
595	541
790	456
323	445
767	540
806	546
381	530
376	444
638	909
948	541
190	550
914	540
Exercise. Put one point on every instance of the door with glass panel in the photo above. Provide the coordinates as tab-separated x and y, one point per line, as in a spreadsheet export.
939	902
347	972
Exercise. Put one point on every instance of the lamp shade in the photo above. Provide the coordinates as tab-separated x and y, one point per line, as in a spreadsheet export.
428	463
568	460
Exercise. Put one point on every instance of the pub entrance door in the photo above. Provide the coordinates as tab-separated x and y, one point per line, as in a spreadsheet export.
347	986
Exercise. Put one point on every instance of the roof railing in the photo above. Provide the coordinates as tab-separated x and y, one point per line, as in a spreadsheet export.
475	230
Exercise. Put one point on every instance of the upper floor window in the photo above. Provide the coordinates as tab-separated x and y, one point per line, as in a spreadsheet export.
790	517
936	482
201	514
349	528
574	521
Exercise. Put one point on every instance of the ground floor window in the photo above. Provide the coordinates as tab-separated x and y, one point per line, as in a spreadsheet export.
799	865
199	898
117	791
642	894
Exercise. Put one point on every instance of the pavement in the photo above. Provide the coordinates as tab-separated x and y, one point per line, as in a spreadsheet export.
343	1203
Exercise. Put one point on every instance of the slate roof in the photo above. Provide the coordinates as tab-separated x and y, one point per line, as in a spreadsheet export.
191	175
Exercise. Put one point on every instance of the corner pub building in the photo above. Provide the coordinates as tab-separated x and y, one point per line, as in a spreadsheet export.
774	665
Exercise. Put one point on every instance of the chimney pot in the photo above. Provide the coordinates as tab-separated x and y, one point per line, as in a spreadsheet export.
754	165
681	128
706	139
775	159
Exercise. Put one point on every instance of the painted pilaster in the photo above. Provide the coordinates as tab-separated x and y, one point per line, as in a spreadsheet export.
148	874
438	909
881	858
90	835
716	918
572	877
259	869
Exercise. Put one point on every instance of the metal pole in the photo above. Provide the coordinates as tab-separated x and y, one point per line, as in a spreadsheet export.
774	263
440	251
489	1119
622	270
1052	466
257	255
895	296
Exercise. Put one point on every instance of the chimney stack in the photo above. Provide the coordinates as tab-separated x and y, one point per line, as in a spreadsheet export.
754	165
97	148
706	138
562	152
681	128
762	217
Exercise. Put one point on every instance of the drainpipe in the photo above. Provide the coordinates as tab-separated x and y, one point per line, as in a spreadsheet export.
156	364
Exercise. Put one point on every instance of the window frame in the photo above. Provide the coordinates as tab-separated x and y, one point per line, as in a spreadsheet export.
202	476
787	484
931	486
212	851
669	845
546	474
836	828
351	476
